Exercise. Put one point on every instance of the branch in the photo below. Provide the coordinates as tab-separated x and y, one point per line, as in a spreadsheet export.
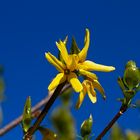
35	109
32	130
116	117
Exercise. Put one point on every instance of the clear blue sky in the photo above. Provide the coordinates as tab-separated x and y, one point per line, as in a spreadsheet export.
28	29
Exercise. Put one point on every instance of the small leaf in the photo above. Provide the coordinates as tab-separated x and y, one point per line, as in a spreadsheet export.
121	84
27	118
47	134
74	47
86	127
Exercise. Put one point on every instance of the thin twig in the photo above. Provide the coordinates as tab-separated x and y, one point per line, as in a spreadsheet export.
115	118
18	120
31	131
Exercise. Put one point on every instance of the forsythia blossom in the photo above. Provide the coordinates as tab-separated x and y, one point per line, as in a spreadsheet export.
75	64
89	86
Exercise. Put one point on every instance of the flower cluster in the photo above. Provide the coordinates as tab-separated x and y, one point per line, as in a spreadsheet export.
72	65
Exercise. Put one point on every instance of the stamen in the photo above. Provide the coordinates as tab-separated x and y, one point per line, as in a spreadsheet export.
66	71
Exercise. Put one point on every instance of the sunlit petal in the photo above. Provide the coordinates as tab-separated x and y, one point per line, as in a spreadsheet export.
98	86
92	97
83	52
91	93
76	84
91	66
59	54
54	61
72	62
63	50
60	78
88	74
80	99
81	96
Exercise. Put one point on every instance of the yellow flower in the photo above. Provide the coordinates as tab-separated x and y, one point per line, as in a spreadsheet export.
73	65
89	87
66	69
91	82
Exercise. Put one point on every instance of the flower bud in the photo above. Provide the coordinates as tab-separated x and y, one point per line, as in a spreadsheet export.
86	127
131	76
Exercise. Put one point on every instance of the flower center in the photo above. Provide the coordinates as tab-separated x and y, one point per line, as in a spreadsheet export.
66	71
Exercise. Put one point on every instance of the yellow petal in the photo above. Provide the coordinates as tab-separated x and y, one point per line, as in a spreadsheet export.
76	84
59	54
91	93
83	52
98	86
72	62
80	99
54	61
89	65
92	97
81	96
60	78
62	48
88	74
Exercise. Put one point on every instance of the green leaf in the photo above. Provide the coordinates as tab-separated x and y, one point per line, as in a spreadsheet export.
27	118
74	47
86	127
47	134
121	84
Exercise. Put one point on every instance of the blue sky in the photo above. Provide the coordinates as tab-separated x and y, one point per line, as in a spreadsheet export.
28	29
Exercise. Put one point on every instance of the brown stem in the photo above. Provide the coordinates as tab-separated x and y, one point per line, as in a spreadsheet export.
35	109
31	131
116	117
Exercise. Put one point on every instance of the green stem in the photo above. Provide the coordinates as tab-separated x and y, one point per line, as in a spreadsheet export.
115	118
31	131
